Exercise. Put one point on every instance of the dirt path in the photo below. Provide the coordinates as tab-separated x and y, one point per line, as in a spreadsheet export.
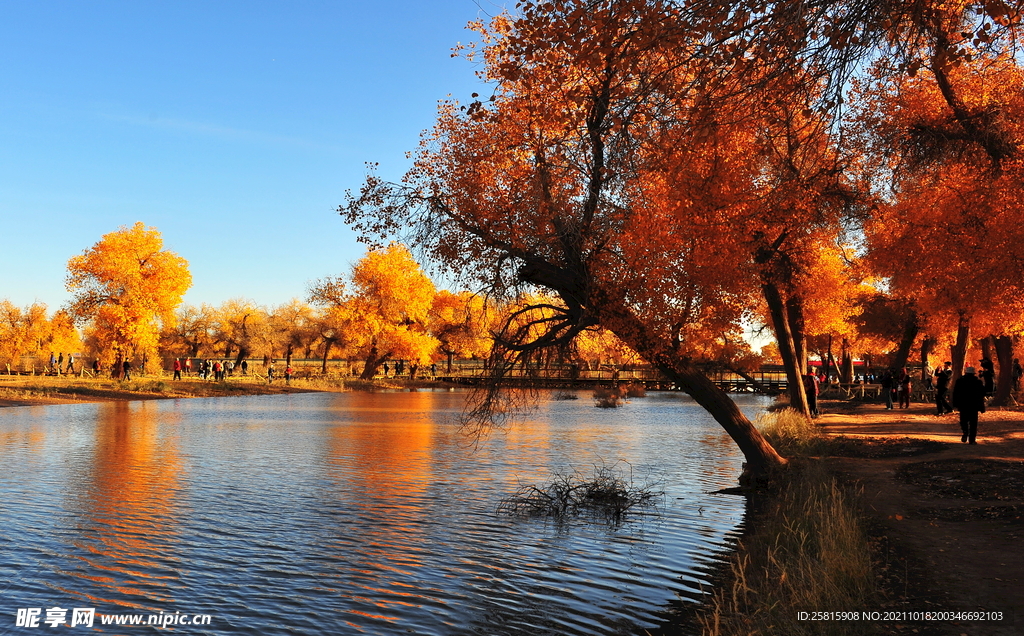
950	517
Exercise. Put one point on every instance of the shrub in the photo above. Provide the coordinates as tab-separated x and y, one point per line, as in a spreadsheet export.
606	493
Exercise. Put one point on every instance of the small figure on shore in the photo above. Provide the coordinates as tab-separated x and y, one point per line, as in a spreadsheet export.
942	376
288	374
386	369
969	399
230	368
904	384
177	369
245	367
96	366
53	362
988	376
1017	372
811	389
71	364
218	371
188	367
270	373
126	368
433	370
60	363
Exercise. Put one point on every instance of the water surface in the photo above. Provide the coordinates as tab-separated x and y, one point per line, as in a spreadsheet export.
361	513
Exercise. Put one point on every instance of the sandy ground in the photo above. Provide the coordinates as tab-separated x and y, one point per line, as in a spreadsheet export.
949	517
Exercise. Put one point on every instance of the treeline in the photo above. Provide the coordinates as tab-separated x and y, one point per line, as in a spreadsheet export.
385	309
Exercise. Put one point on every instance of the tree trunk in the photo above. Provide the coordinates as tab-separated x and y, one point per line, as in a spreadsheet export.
846	375
926	350
832	360
761	458
797	327
451	356
985	344
958	352
1004	383
373	361
328	342
787	349
910	330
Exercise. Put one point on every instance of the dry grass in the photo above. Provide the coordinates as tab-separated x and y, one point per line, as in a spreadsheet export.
793	434
608	398
808	553
635	390
805	552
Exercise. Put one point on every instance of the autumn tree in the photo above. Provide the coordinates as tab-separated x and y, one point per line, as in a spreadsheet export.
128	286
191	333
946	140
242	329
386	313
562	182
30	332
461	323
293	327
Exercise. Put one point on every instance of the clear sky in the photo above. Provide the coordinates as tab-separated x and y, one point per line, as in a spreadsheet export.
232	127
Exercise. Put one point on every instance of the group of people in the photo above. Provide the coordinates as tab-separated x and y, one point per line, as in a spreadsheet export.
207	368
969	397
57	363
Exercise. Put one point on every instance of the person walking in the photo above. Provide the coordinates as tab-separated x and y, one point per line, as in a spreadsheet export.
904	384
270	373
988	376
942	376
969	399
188	367
126	368
288	374
811	389
71	364
177	368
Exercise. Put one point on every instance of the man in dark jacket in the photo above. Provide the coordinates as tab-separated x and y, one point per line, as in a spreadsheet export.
969	399
942	376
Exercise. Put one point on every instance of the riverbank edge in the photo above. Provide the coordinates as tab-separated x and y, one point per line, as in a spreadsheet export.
807	543
18	391
804	545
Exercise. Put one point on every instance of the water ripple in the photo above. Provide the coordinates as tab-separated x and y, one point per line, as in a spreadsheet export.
355	513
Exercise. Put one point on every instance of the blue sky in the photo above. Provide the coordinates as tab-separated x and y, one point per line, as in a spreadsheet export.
233	127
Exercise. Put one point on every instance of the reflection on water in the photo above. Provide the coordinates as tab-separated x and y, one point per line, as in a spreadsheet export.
353	513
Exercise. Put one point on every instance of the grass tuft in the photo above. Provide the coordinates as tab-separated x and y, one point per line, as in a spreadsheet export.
808	553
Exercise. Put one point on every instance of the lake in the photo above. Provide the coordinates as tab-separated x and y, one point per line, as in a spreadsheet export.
352	513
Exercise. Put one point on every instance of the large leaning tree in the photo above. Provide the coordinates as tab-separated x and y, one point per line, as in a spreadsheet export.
559	182
659	166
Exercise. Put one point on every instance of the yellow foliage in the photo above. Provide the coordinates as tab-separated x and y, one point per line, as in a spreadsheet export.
129	287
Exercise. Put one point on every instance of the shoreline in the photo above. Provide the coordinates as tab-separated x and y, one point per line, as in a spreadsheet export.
941	521
18	391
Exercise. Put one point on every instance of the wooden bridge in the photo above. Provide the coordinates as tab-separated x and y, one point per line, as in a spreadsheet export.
768	382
